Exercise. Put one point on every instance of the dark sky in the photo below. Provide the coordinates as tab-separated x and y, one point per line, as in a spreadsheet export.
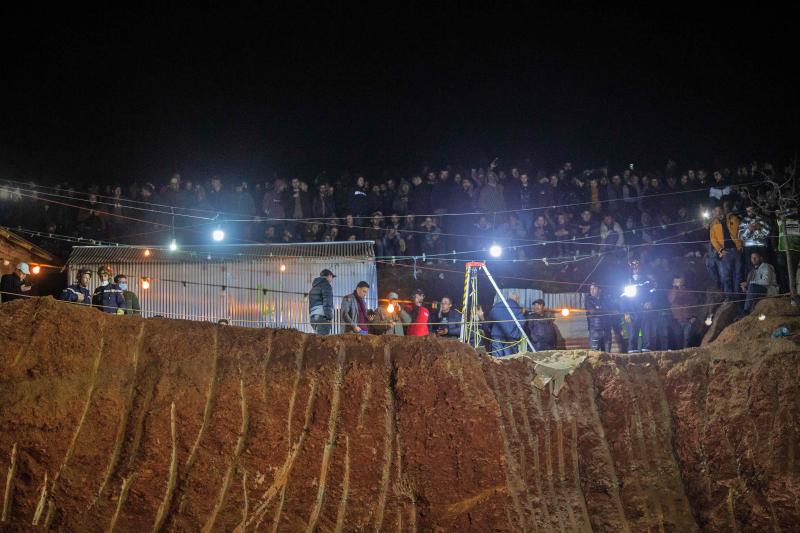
121	95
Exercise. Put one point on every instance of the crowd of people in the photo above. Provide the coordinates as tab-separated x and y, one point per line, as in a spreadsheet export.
727	216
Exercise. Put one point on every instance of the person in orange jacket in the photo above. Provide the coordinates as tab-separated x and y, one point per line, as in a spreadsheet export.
724	237
420	316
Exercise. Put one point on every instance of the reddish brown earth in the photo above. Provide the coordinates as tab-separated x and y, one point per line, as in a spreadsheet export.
121	423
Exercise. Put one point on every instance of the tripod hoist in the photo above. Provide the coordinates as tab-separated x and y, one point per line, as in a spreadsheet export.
470	321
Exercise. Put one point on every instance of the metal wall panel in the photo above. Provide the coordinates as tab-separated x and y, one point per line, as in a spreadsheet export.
250	289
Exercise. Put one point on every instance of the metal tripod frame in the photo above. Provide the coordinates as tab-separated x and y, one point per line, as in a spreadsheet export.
470	327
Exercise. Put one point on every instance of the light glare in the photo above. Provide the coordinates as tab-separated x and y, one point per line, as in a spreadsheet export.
630	291
218	235
495	250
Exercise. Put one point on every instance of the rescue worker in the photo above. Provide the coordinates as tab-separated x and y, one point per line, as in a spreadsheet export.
504	332
420	316
131	300
598	320
79	292
540	326
320	303
107	296
447	320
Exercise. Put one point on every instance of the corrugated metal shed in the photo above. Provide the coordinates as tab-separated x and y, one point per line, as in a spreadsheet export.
254	285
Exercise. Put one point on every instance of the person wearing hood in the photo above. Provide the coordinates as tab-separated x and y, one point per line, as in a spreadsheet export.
320	303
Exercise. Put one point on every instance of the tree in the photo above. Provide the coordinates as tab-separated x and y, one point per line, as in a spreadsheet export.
783	199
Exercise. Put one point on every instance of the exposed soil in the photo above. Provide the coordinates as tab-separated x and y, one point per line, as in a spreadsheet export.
122	423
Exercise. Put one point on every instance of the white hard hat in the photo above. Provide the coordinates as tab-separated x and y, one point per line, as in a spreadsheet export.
393	296
23	267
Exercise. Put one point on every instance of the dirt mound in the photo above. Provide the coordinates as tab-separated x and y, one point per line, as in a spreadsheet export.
120	423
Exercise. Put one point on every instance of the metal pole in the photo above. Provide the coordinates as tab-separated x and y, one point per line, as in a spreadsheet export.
463	336
505	303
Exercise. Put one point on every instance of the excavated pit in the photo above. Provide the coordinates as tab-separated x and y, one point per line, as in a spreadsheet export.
122	423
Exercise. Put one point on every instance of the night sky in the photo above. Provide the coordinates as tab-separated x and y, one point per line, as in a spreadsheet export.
116	96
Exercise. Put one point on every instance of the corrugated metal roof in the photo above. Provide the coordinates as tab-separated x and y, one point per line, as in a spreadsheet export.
91	255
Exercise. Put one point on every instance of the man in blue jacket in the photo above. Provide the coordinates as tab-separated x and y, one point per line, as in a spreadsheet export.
79	292
504	331
320	303
447	322
108	296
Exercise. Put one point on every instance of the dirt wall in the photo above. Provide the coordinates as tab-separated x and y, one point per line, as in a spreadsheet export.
119	423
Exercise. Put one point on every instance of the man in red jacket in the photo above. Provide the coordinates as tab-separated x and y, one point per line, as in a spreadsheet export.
419	316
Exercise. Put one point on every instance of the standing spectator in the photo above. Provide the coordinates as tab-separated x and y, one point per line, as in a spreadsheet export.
753	232
587	229
541	327
349	231
420	315
540	233
107	296
490	199
323	205
681	303
598	320
723	234
219	198
400	204
13	286
760	282
504	332
616	192
562	232
320	303
272	202
78	292
447	321
419	197
410	236
391	244
611	232
391	319
359	202
131	300
355	315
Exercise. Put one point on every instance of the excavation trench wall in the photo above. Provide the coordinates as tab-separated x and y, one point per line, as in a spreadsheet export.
125	424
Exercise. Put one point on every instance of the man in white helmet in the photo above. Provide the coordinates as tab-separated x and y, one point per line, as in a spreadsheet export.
13	286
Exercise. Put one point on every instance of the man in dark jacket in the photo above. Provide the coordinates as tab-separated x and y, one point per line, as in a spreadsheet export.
598	320
447	320
540	327
79	291
504	332
13	286
320	303
108	296
132	306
